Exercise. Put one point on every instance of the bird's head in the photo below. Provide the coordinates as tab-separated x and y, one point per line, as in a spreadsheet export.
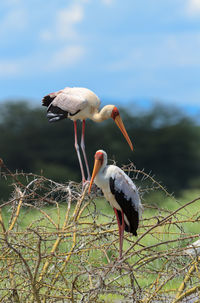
100	160
118	120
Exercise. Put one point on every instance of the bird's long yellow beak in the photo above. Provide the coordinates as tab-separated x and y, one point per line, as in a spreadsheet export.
121	126
96	168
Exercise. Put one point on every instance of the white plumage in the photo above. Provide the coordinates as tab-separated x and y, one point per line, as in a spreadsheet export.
122	184
193	249
120	191
79	103
76	102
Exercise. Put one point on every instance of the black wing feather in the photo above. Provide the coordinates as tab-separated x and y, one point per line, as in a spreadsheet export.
55	113
46	101
127	207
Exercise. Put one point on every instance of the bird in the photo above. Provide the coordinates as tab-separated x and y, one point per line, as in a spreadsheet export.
120	191
79	103
193	249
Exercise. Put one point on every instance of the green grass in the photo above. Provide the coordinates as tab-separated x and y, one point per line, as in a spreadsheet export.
100	213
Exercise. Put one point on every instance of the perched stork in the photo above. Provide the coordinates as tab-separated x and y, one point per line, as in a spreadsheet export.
81	103
120	191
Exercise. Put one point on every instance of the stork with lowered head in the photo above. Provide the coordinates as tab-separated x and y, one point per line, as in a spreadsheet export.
79	103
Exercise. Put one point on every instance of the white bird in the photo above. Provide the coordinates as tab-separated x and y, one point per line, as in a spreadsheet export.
121	192
81	103
193	249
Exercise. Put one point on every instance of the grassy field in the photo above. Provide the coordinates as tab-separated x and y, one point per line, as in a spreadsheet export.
68	251
58	245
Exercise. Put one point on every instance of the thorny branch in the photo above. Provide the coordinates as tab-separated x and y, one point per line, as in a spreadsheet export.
57	244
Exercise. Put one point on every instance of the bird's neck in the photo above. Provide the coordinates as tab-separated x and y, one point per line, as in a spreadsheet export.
104	114
100	179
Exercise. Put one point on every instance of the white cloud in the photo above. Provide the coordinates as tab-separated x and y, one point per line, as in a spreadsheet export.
65	24
14	21
163	52
65	52
7	3
9	68
64	30
65	57
193	7
107	2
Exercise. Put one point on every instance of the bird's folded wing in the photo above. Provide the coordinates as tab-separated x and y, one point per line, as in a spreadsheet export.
122	183
69	103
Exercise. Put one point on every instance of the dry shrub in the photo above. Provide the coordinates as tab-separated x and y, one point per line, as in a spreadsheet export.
57	246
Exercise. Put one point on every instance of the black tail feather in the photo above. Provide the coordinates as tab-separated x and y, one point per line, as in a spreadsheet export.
129	229
55	114
46	101
127	207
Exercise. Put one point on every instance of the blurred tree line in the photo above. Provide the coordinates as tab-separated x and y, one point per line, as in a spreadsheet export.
166	142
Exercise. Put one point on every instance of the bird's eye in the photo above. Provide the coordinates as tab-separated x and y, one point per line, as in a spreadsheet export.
99	156
115	113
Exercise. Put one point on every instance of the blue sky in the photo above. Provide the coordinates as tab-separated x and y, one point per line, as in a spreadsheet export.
122	50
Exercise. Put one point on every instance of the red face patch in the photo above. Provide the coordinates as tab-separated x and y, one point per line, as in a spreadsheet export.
99	156
115	113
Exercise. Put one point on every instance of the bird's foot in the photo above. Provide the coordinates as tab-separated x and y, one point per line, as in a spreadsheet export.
85	183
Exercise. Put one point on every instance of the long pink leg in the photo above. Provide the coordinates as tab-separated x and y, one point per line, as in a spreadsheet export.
121	231
83	149
77	151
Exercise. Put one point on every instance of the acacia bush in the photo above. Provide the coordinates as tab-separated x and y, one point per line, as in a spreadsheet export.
58	245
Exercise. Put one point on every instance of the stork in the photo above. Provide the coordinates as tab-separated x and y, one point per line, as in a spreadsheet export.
81	103
121	193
